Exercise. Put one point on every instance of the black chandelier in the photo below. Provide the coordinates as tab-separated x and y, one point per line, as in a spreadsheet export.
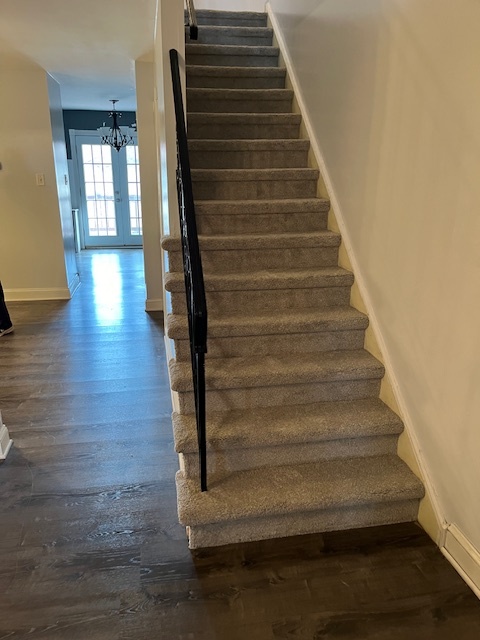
115	136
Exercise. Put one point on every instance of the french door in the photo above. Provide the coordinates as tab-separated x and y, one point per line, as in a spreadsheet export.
111	209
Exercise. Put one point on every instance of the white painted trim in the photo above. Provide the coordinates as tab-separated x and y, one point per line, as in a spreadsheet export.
154	304
20	295
360	281
464	557
5	441
170	355
74	284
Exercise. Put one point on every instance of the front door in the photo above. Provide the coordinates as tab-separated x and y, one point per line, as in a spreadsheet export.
111	214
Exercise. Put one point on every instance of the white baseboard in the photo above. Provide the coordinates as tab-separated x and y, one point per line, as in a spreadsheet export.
74	284
464	557
25	295
5	441
170	355
154	304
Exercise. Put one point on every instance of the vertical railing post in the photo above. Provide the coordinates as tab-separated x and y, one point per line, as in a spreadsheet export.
192	20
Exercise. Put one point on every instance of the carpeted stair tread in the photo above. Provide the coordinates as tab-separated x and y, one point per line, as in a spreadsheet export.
230	77
248	154
247	175
270	241
227	18
288	425
284	322
205	70
235	29
252	184
214	100
233	34
230	50
248	145
255	252
260	280
282	369
215	93
220	223
245	242
260	207
243	118
328	484
208	70
245	126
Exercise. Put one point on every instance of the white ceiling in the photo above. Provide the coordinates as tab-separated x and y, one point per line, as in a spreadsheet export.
88	46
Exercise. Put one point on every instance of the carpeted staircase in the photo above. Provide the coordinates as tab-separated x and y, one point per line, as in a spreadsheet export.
298	440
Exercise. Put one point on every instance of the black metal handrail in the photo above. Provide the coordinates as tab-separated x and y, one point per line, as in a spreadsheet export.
192	267
192	20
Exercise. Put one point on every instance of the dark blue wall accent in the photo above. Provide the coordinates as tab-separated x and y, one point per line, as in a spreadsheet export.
91	120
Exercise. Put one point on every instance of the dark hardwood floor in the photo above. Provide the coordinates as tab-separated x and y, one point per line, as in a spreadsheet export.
90	547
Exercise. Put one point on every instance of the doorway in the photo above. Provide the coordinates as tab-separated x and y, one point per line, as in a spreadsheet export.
110	198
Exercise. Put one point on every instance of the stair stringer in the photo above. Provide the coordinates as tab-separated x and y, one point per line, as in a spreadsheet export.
430	513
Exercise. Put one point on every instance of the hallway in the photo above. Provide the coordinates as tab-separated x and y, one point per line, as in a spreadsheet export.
90	546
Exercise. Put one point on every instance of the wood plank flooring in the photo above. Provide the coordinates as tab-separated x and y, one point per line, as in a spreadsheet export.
90	547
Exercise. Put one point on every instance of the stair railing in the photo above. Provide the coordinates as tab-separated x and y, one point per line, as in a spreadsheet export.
192	268
192	20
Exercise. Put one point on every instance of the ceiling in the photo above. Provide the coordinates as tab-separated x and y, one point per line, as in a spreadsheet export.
88	46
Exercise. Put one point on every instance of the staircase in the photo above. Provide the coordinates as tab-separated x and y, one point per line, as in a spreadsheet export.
298	440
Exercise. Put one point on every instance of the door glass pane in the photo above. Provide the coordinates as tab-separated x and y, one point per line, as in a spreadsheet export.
133	177
96	152
97	169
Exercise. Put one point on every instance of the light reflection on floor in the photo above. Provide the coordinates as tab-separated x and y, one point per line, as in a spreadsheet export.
107	288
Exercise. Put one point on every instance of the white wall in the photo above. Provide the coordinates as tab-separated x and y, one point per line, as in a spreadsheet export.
169	34
62	179
392	91
149	177
32	263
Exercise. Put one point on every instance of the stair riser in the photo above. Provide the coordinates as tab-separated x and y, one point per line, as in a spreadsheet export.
248	159
231	59
229	105
267	300
235	82
206	36
265	345
242	131
262	207
305	522
223	462
260	259
231	19
275	223
281	395
253	189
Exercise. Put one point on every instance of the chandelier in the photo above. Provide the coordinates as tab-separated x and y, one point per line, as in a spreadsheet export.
115	136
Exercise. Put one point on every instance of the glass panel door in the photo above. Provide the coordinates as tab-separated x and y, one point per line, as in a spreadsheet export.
100	221
110	189
133	190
